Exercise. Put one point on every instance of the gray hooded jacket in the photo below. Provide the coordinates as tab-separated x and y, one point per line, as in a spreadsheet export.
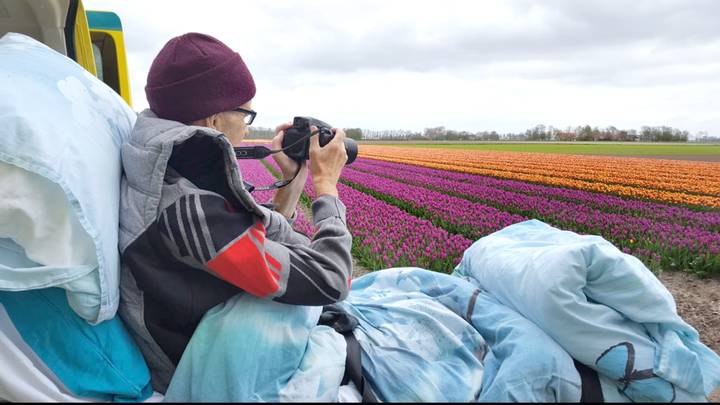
191	236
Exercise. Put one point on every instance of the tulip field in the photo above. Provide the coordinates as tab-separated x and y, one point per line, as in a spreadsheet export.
423	207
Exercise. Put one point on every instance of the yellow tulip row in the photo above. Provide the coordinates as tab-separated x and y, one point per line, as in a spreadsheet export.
681	182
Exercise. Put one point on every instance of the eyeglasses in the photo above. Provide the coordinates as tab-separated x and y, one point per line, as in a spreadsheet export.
249	115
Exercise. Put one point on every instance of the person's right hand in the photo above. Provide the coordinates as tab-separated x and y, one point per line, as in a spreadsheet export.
327	162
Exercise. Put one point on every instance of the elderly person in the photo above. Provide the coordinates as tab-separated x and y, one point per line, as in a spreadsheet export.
191	234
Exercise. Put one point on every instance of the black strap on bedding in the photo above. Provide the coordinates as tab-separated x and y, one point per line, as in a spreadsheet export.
344	323
591	390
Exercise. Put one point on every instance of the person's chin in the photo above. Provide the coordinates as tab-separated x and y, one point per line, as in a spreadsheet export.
237	141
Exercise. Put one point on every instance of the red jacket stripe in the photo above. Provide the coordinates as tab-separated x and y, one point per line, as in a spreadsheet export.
259	232
244	266
274	264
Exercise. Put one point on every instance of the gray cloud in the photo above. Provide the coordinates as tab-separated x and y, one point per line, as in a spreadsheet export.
616	42
596	41
466	64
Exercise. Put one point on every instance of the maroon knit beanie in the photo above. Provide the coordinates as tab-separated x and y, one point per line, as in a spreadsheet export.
195	76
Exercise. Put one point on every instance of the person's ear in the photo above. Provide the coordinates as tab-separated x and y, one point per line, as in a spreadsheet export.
214	121
204	122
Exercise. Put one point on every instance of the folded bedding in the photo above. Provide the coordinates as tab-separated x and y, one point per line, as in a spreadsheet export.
507	325
603	306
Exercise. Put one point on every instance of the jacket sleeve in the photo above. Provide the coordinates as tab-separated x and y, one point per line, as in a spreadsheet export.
279	229
263	257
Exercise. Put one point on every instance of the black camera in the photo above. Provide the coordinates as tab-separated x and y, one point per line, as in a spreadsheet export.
297	139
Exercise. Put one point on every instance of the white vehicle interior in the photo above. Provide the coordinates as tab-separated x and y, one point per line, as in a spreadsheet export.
43	20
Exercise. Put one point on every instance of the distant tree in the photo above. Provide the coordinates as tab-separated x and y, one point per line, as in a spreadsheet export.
663	134
565	136
648	134
515	137
435	133
682	136
354	133
704	137
486	136
537	133
633	135
585	133
609	134
261	133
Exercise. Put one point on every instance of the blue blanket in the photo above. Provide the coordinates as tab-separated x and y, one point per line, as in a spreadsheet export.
505	326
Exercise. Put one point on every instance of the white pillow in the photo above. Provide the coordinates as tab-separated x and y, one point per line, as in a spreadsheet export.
36	215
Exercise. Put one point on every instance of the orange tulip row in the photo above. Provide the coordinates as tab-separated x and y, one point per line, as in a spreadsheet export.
693	184
688	179
680	182
674	168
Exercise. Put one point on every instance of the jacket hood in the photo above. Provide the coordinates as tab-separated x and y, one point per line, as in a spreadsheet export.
202	155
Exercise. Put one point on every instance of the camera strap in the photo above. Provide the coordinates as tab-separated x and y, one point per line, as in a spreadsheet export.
261	152
253	152
278	184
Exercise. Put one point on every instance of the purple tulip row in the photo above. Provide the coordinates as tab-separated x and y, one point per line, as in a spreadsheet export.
603	202
622	229
386	236
255	173
458	215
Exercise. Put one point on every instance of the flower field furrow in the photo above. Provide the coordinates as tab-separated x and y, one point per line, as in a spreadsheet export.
627	191
623	230
699	181
386	236
603	202
458	215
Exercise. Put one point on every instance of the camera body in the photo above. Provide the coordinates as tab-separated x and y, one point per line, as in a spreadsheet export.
296	141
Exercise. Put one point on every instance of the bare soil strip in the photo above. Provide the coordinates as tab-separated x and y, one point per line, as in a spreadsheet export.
698	303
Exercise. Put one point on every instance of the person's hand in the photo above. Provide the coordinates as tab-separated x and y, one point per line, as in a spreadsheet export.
327	162
287	165
286	198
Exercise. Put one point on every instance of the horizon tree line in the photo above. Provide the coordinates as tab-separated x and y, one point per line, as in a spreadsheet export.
540	132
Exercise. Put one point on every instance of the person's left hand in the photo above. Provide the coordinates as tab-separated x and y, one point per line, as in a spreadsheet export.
287	165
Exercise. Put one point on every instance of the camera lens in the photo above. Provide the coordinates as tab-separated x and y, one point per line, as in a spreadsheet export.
351	147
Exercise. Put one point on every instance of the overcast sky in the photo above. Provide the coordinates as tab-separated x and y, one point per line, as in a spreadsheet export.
466	65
